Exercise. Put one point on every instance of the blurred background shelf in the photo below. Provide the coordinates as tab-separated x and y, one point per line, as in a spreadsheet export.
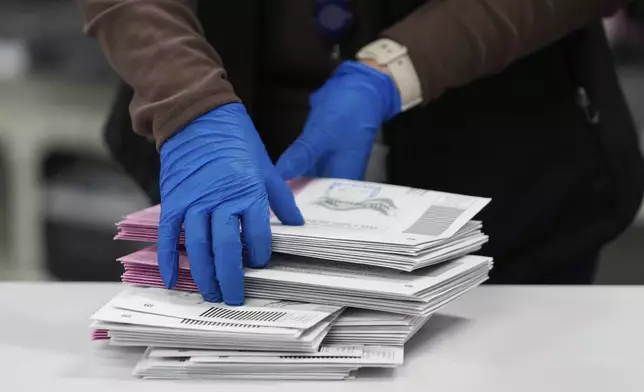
61	186
60	191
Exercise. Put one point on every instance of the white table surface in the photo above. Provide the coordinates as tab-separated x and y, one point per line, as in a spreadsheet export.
513	339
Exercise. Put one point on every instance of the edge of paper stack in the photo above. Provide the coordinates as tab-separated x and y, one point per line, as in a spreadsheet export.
343	292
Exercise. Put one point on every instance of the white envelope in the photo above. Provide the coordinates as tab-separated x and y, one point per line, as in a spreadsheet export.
261	312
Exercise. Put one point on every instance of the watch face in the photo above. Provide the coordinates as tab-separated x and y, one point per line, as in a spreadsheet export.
383	51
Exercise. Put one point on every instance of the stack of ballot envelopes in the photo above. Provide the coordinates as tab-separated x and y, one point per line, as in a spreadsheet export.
419	293
331	362
141	316
345	291
367	327
363	223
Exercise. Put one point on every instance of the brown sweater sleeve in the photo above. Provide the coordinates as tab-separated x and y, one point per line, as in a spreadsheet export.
454	42
157	47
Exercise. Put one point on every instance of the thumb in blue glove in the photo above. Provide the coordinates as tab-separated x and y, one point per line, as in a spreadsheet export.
346	115
215	177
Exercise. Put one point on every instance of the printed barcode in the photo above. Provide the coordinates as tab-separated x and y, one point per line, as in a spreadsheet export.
242	315
216	324
435	220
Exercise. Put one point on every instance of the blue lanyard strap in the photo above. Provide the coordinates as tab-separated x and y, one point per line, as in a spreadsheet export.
333	19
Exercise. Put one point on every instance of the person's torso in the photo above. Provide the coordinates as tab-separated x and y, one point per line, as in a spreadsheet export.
561	186
519	137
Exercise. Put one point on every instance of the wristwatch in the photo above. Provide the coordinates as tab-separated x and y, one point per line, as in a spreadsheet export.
394	56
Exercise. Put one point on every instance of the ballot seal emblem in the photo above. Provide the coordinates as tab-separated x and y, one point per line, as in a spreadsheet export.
384	206
351	196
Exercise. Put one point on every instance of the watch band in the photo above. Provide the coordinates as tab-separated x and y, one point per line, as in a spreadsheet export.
394	56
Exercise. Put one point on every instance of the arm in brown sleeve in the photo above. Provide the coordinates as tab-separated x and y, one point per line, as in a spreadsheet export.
157	47
454	42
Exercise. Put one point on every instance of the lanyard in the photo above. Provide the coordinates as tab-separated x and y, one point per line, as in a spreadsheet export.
333	20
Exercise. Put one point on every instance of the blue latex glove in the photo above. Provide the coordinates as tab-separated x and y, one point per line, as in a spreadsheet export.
216	176
346	115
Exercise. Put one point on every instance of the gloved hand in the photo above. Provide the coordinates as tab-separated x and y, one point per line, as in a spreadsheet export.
216	175
346	115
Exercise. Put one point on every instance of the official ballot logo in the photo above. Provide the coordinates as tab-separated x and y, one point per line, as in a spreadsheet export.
352	196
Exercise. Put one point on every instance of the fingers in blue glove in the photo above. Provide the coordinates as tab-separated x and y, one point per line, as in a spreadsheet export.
227	250
168	240
346	114
281	200
199	247
256	232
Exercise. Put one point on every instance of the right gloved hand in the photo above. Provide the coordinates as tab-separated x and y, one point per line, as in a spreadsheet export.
216	175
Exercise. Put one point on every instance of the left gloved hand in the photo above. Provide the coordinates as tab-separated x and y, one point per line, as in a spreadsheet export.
346	115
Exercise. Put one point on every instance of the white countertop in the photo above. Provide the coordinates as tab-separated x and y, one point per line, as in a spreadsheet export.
494	339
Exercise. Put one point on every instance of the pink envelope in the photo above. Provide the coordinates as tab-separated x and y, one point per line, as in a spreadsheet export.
143	225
